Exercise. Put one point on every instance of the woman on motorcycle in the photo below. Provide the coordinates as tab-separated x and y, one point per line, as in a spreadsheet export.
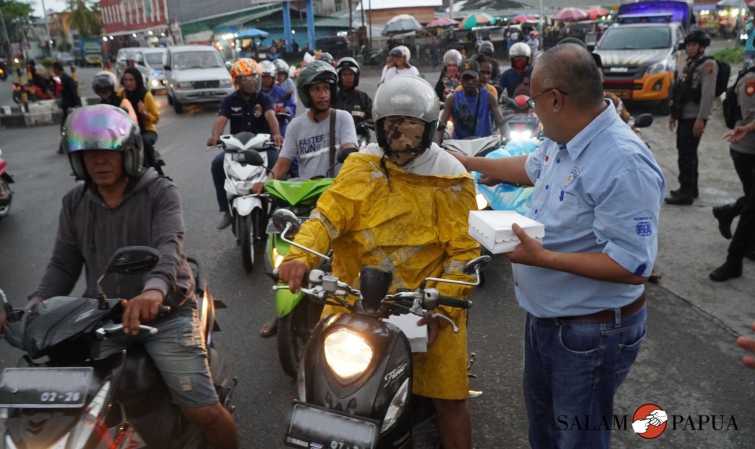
104	85
147	111
450	77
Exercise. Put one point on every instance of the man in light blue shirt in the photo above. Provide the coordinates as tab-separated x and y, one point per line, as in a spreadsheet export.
598	191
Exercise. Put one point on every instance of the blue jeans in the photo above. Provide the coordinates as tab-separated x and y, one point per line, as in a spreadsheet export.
571	373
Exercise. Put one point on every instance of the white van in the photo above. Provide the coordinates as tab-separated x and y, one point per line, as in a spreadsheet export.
196	74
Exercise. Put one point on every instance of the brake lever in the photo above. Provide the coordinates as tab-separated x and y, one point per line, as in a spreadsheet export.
454	327
112	329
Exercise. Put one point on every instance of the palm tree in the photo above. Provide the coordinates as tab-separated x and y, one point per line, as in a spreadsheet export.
83	18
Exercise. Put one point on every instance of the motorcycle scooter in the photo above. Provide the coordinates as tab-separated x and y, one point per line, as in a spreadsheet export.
521	121
296	315
6	194
354	383
63	397
247	161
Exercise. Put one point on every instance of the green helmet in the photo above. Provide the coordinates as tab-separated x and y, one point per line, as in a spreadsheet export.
314	72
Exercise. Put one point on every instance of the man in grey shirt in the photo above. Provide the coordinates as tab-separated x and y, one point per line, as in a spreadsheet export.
308	136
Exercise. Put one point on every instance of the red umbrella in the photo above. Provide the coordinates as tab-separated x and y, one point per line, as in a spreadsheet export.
441	22
524	19
571	15
596	12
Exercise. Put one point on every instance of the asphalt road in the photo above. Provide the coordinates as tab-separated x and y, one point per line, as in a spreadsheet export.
688	364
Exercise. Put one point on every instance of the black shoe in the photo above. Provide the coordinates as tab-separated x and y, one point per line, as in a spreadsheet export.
225	220
729	270
724	215
685	200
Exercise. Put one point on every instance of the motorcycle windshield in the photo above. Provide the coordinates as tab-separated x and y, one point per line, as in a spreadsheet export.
295	192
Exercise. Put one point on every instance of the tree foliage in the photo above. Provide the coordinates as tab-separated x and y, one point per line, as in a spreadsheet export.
84	18
17	15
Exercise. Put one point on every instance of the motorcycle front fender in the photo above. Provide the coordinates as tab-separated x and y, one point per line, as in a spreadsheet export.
244	205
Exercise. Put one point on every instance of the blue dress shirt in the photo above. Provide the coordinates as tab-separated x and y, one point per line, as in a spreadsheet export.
599	193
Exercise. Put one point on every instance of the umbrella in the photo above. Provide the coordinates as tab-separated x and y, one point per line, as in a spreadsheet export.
524	19
571	15
596	12
401	23
252	32
441	22
476	20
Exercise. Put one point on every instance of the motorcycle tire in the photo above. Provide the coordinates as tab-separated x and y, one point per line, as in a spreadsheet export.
293	334
245	237
5	209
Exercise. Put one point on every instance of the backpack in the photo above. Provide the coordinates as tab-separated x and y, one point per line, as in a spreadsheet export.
731	110
722	80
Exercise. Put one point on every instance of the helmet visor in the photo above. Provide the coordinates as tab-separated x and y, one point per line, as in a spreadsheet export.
101	127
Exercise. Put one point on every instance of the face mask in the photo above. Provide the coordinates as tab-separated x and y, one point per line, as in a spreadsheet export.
404	136
519	63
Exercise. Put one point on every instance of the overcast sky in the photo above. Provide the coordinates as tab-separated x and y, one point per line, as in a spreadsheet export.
56	5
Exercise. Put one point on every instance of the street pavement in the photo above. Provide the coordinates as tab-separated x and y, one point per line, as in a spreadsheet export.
688	364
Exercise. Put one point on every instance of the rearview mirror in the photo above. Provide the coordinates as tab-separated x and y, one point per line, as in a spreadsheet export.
285	220
474	265
133	259
643	120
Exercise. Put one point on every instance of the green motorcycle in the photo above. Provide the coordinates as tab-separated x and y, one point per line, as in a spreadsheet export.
296	316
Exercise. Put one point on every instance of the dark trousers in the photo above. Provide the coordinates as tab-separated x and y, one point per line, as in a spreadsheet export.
149	138
686	144
744	236
571	372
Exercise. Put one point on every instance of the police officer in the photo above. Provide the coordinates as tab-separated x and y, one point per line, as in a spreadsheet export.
248	110
351	99
742	151
694	93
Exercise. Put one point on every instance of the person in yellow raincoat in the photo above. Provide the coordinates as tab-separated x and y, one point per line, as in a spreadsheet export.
402	206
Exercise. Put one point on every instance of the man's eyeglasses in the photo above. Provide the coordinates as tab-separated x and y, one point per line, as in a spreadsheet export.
546	91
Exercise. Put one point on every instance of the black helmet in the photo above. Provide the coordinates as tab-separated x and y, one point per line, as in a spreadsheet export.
351	64
316	71
699	36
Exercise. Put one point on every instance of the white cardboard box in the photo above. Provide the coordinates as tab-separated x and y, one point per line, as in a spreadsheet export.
492	229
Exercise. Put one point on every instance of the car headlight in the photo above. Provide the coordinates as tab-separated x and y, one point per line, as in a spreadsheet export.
395	407
89	420
743	36
658	67
183	85
347	353
225	83
523	134
155	83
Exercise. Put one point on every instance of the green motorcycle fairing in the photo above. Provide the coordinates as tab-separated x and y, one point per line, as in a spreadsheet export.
295	192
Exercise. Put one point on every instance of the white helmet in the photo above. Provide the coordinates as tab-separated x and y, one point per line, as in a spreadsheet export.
281	66
267	68
452	57
520	49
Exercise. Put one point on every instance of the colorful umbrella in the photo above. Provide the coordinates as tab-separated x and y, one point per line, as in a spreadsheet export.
402	23
571	15
524	19
597	12
476	20
441	22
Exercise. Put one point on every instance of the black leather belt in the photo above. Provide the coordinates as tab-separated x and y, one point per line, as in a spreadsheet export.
607	316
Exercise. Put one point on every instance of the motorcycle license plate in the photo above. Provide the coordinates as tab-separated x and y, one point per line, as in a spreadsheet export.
45	387
311	427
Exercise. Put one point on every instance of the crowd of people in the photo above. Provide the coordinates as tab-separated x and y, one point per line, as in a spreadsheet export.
597	189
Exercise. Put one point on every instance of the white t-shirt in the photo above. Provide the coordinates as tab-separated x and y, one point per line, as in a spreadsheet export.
308	142
391	72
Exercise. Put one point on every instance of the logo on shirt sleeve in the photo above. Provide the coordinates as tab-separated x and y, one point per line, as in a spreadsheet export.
643	228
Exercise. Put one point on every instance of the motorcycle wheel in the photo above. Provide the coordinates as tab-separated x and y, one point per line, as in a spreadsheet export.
246	241
5	190
294	330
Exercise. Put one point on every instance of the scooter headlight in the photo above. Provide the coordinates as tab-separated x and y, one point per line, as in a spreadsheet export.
395	407
90	419
347	353
482	203
520	134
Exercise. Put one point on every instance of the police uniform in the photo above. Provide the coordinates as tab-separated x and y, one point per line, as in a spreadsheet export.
743	156
701	77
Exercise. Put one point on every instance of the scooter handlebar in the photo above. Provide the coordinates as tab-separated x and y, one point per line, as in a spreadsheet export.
453	302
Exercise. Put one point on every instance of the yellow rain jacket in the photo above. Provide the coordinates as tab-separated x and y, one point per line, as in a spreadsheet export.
413	223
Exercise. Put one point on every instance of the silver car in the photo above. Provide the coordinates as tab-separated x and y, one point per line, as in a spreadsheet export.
135	54
155	60
196	74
